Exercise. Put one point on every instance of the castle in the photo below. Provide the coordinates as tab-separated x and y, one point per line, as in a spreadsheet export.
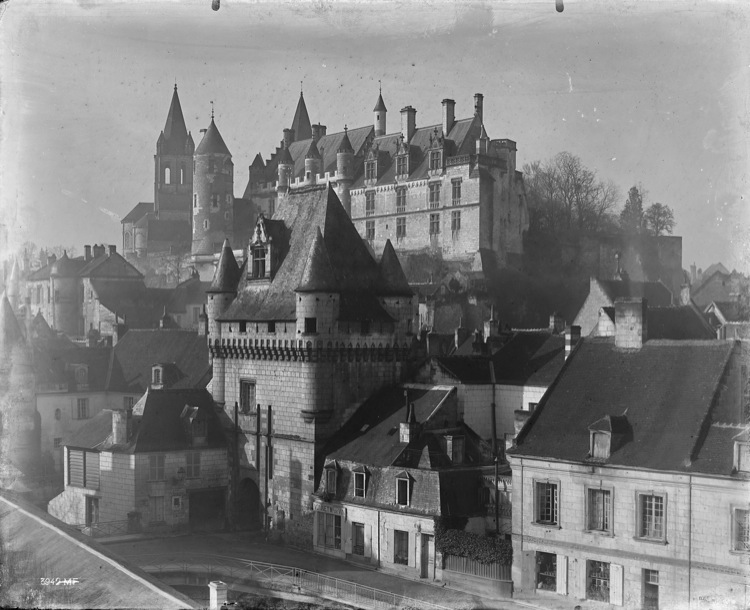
446	190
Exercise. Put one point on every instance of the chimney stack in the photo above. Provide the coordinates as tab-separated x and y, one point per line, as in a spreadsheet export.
449	115
318	131
288	137
408	122
631	322
556	324
121	426
408	429
479	106
87	250
572	337
112	250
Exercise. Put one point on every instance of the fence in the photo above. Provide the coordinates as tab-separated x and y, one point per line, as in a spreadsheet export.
465	565
282	578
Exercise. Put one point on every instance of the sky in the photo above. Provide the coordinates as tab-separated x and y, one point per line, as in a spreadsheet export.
653	92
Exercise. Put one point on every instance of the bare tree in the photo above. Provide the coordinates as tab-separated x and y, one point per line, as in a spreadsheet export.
659	218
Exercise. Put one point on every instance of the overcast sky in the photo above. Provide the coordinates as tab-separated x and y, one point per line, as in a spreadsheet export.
655	93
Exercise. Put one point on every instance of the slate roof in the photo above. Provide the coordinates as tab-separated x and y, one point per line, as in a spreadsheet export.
380	105
665	389
227	272
190	292
683	322
730	310
258	162
55	366
139	211
318	275
141	307
394	280
328	147
175	132
40	274
716	455
656	293
138	350
94	434
66	266
110	266
529	358
162	427
298	219
212	142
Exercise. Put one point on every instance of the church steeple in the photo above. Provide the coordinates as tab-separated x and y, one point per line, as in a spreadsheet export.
175	132
301	123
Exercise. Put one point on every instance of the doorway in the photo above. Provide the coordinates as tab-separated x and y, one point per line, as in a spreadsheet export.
427	556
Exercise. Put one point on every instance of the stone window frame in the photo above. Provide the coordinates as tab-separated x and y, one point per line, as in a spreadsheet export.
369	203
400	200
536	513
400	227
246	409
370	230
157	467
360	475
435	224
740	447
736	530
402	165
331	479
456	191
403	558
433	195
193	464
436	160
400	481
639	516
587	509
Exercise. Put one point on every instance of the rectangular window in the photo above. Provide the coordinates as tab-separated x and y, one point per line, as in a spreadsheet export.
83	468
436	159
741	528
743	457
272	327
434	224
650	590
546	575
82	408
435	195
546	503
455	221
402	165
156	505
370	230
359	484
331	480
600	510
402	492
329	530
311	326
401	547
597	581
259	262
400	227
75	467
364	327
193	464
156	467
215	200
400	200
456	195
371	170
157	375
457	450
247	396
370	203
358	538
651	516
57	442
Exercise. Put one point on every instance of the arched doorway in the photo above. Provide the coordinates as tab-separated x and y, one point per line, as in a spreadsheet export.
248	516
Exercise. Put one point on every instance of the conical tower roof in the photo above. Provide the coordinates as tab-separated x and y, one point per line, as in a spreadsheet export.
318	275
346	145
312	151
212	142
301	123
258	162
394	282
227	273
380	106
285	157
63	266
175	135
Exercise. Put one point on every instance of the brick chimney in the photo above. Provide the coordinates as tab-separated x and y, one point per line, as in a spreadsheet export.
479	106
556	323
631	322
288	137
121	426
112	250
408	429
87	250
449	116
318	131
572	337
408	122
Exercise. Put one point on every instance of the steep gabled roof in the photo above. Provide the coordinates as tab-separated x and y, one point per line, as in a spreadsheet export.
394	280
66	266
110	266
301	122
656	293
666	389
258	162
318	275
227	271
212	142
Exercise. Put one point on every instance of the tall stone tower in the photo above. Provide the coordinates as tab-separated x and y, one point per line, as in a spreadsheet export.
173	167
213	199
345	171
379	115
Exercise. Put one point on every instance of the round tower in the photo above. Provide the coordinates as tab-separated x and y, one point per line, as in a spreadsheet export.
285	170
213	199
379	113
345	172
312	163
64	295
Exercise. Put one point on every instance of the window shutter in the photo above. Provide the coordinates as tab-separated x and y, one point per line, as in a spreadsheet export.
318	529
562	574
75	467
348	539
581	579
368	541
615	584
92	469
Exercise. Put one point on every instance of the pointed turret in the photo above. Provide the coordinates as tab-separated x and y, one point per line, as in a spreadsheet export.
318	275
379	114
312	163
175	138
212	142
227	273
346	145
285	169
258	163
345	171
394	282
301	123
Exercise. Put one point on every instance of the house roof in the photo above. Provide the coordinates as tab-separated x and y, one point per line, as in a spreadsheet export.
66	266
730	310
139	306
110	266
394	279
94	433
683	322
227	272
656	293
162	426
212	142
40	274
328	147
665	389
298	219
190	292
56	365
716	455
318	275
137	350
371	435
139	211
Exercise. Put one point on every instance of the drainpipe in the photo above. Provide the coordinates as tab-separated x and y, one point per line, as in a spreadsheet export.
378	537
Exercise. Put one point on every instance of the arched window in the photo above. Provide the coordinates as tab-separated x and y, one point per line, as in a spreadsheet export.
167	175
182	174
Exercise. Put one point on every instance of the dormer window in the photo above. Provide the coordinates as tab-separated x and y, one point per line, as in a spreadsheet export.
742	455
331	472
371	170
259	262
82	377
360	482
403	489
402	165
157	376
600	445
436	160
